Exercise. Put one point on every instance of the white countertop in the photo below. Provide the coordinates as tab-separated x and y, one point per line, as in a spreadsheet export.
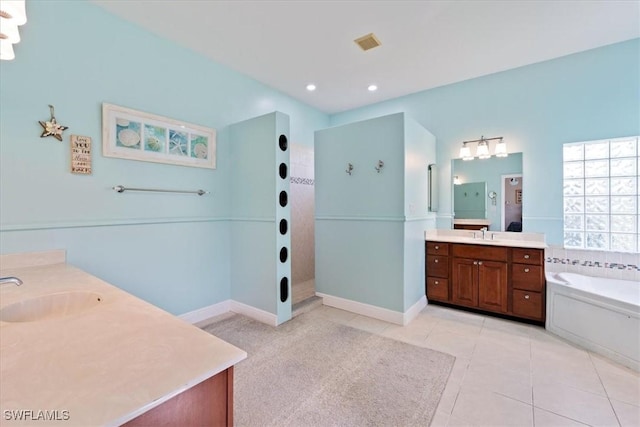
105	365
464	221
500	238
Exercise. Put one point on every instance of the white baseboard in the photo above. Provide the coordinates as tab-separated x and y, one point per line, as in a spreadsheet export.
208	312
414	310
223	307
255	313
364	309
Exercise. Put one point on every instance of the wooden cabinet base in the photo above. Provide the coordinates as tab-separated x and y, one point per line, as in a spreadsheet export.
515	317
500	280
209	403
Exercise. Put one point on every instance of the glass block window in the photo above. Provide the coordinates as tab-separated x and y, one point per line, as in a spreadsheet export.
600	192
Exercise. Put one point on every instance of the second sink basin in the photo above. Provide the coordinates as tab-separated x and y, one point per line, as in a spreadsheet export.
50	306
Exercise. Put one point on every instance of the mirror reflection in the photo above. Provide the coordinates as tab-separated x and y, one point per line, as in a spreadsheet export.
498	184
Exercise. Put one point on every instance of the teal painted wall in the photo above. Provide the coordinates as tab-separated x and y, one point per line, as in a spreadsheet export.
365	193
256	269
419	152
585	96
365	251
172	250
470	200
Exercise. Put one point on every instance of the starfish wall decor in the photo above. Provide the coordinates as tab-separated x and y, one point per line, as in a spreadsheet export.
51	127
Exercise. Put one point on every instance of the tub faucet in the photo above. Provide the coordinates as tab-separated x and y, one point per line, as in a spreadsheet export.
10	279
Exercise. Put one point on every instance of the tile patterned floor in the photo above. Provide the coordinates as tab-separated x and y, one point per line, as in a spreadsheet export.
512	374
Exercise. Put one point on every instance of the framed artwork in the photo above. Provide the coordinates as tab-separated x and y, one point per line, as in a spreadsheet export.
136	135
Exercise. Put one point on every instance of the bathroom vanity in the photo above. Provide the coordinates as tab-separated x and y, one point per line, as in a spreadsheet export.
79	349
502	273
471	224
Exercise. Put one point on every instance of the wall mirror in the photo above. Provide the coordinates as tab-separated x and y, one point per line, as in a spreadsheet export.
499	181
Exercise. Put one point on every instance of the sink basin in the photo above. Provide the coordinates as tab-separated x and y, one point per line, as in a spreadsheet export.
50	306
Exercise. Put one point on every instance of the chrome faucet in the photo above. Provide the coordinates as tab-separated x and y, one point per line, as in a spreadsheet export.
10	279
484	230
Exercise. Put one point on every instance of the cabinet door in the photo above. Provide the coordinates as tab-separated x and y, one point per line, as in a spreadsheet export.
465	282
492	286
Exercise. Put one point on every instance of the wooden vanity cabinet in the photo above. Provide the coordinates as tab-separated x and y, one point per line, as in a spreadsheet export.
479	277
495	279
437	271
209	403
528	281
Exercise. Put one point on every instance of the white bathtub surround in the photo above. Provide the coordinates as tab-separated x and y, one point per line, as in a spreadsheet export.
113	361
600	314
615	265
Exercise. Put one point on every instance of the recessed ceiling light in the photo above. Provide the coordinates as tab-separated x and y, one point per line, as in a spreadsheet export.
372	88
311	87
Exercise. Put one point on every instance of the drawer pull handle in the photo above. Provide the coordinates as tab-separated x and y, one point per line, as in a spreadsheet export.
437	247
436	282
526	257
526	270
435	260
527	297
475	262
479	262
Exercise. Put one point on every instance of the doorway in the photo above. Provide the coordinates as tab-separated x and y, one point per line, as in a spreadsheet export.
302	223
511	211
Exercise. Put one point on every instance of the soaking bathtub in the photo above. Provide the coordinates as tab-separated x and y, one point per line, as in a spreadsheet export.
599	314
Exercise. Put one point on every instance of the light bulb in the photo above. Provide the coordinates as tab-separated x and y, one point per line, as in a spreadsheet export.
483	150
465	153
501	149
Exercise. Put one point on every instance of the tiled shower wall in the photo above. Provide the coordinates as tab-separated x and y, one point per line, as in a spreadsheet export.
302	214
615	265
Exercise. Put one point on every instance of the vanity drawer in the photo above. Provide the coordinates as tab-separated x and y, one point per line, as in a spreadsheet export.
437	288
437	266
527	277
486	252
437	248
527	304
526	256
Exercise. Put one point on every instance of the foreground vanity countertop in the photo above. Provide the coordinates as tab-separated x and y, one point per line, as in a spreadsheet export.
105	365
511	239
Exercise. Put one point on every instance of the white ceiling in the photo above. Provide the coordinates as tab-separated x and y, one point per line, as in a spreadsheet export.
425	44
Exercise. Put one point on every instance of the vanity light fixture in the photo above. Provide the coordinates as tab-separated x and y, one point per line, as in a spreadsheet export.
12	15
483	148
465	152
501	148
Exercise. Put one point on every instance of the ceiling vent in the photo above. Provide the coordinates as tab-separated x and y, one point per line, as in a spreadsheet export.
367	42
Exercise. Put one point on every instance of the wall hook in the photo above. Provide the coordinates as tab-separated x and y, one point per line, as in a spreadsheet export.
349	168
380	166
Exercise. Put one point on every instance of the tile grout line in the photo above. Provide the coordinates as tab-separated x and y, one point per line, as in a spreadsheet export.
595	368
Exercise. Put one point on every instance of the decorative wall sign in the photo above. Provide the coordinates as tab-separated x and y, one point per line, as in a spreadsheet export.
136	135
80	155
51	127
